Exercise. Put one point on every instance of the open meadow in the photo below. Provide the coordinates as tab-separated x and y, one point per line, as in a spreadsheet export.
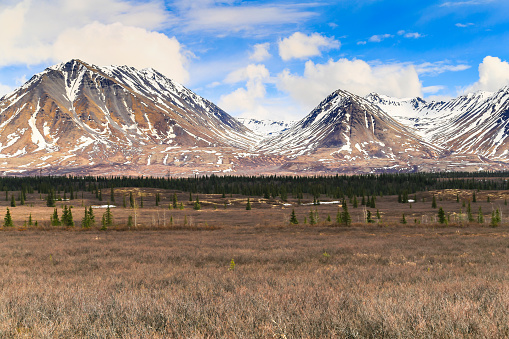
286	282
204	265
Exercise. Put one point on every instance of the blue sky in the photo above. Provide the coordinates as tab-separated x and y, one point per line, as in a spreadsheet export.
269	59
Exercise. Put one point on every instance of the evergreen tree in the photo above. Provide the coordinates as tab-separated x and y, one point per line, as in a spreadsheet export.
112	194
50	201
130	221
470	217
488	199
141	201
474	199
368	217
363	201
131	200
8	219
6	195
480	216
248	205
403	219
345	216
67	219
378	216
457	197
355	203
107	219
434	202
175	200
100	195
55	221
339	217
190	197
494	220
30	221
13	201
71	193
197	205
22	198
372	203
441	216
158	198
312	220
125	202
293	218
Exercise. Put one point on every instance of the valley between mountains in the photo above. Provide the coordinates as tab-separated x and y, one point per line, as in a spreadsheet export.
82	119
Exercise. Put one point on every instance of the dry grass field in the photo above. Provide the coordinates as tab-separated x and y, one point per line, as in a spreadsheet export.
156	280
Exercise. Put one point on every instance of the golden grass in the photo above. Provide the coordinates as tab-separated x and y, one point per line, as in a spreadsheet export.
288	282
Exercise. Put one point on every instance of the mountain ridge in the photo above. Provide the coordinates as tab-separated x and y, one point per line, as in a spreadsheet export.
76	117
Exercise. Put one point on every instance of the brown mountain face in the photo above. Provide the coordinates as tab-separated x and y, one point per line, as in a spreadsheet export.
75	116
88	120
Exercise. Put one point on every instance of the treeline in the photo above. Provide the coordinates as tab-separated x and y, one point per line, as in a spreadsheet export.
337	187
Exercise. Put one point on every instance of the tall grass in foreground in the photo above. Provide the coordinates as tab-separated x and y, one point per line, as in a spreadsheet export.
372	283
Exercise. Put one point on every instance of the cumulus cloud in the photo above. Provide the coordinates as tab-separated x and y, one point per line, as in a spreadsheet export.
260	52
301	46
410	35
493	75
248	99
97	31
380	37
125	45
356	76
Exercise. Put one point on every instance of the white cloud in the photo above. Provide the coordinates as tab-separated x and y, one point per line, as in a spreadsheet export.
460	25
380	37
439	67
123	45
4	89
246	100
493	75
413	35
361	42
465	3
301	46
225	17
356	76
432	89
260	52
97	31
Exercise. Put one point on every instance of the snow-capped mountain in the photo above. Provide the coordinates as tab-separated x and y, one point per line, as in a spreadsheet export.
353	128
76	114
475	124
266	128
84	119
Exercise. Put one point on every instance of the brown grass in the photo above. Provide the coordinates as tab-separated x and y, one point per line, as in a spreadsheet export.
288	282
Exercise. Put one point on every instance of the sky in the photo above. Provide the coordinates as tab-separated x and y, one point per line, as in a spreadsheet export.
269	59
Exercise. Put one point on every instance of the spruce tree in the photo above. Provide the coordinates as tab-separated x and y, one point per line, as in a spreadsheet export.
13	201
175	200
339	217
480	216
474	199
50	200
434	202
403	219
355	203
8	219
470	217
55	221
441	216
125	202
347	220
141	201
248	205
197	205
378	216
131	200
22	198
368	217
293	218
312	220
30	221
494	220
112	194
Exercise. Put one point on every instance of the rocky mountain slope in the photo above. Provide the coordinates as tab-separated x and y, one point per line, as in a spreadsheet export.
76	115
84	119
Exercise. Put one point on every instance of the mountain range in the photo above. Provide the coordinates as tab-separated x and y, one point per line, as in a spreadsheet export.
78	118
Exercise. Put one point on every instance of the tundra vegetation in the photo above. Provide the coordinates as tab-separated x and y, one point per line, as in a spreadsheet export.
193	261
